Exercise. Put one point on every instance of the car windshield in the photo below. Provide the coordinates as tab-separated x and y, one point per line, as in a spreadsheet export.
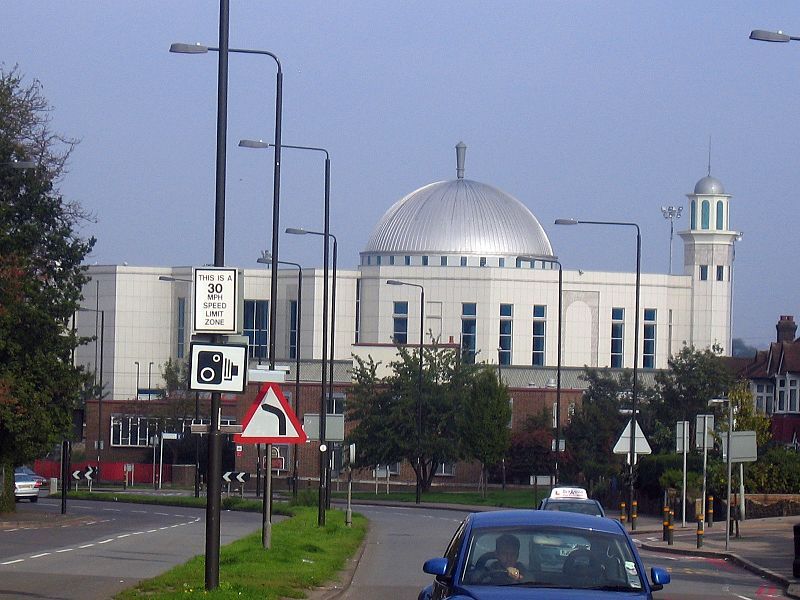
560	557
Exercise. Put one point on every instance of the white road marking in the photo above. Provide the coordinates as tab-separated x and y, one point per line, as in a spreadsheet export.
123	535
106	541
40	555
90	545
64	550
11	562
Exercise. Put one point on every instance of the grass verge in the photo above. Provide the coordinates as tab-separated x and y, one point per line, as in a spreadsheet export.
302	556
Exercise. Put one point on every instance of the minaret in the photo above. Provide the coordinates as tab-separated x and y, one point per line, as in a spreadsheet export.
708	254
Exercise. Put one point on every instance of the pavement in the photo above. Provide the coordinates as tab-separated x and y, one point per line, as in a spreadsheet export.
763	546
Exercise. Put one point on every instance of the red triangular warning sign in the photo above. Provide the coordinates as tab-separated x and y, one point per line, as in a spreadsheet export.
270	420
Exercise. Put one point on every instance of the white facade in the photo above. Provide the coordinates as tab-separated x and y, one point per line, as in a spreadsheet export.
464	266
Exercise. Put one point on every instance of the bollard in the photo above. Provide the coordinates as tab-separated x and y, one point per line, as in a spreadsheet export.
796	561
700	531
710	513
671	528
622	515
634	514
665	522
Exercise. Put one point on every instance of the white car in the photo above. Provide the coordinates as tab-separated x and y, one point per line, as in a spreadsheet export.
26	486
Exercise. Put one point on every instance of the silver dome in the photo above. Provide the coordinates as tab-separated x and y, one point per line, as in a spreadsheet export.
459	217
709	185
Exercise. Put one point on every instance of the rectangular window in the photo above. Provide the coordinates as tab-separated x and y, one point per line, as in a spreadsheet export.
501	262
378	260
407	260
400	328
781	401
649	345
463	261
358	309
703	272
504	352
424	261
468	332
336	404
483	261
443	261
446	470
293	329
617	337
181	348
793	400
720	273
132	430
256	321
391	260
539	334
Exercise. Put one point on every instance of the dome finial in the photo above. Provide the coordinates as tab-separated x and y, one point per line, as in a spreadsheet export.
461	150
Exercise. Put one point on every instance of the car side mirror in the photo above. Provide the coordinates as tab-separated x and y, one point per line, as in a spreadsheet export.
435	566
658	578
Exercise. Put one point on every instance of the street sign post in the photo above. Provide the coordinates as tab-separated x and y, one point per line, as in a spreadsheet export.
682	447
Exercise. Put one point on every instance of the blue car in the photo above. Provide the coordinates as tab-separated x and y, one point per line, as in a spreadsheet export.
540	554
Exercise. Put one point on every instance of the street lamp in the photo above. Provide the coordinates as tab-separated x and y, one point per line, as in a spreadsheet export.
215	444
266	259
100	388
19	164
761	35
551	260
419	380
634	395
720	401
326	234
671	213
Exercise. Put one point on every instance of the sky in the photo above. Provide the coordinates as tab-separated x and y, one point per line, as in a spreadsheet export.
595	110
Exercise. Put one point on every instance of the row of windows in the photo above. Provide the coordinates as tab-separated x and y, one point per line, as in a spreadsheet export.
256	321
705	215
133	430
720	274
451	261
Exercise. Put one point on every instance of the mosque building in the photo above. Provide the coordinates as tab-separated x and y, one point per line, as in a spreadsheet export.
489	277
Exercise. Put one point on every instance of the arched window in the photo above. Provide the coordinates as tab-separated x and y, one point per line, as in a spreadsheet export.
705	209
720	216
693	216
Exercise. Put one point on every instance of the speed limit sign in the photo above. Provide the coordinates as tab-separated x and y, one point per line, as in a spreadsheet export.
216	300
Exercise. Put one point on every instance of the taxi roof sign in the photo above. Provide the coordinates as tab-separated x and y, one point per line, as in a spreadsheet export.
569	492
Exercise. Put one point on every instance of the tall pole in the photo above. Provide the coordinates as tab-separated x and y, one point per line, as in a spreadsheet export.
728	460
330	369
419	389
632	455
323	455
136	362
296	453
214	482
149	378
100	392
558	368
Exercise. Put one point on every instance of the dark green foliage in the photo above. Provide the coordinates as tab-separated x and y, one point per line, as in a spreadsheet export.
464	412
41	277
529	452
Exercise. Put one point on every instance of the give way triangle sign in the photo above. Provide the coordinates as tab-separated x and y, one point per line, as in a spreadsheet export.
623	445
270	420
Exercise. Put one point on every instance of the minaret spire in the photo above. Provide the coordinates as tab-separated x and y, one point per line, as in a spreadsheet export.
709	156
461	150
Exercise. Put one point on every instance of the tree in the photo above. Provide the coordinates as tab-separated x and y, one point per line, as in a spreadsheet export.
385	411
486	401
529	451
594	429
693	378
41	278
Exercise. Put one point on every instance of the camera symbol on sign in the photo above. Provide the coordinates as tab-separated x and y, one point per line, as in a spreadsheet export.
213	367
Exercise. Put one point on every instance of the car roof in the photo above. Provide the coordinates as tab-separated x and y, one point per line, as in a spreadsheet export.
523	518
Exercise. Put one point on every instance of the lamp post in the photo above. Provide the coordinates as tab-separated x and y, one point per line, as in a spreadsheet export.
419	379
761	35
149	379
100	385
323	447
558	351
266	258
19	164
719	401
671	213
214	483
170	278
324	459
634	395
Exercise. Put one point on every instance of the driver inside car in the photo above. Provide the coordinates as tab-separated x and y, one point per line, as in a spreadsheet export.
507	553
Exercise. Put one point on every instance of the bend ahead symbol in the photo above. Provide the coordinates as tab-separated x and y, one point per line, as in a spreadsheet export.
278	413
